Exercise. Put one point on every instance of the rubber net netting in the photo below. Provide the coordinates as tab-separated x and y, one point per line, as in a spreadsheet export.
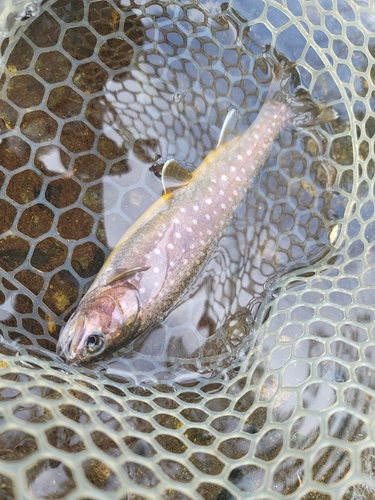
261	383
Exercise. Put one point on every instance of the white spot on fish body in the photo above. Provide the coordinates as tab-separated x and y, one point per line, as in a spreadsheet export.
196	208
156	270
176	221
142	290
239	157
248	152
157	251
235	192
172	264
189	230
256	136
192	246
210	189
274	117
208	217
209	231
170	246
213	180
215	213
160	234
243	170
233	169
238	179
185	261
195	221
221	192
201	242
182	209
223	206
224	178
208	201
178	235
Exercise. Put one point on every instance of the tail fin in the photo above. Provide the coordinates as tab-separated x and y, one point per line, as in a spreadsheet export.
307	112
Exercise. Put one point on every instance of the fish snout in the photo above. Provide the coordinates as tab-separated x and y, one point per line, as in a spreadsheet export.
69	338
64	349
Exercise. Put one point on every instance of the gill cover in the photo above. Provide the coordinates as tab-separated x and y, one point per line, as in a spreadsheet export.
105	320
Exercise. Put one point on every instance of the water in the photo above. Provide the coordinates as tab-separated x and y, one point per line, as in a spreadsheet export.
142	124
306	372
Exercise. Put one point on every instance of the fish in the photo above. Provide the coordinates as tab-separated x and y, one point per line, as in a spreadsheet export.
162	253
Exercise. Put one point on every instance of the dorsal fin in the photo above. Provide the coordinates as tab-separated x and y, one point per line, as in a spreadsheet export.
174	176
224	129
124	274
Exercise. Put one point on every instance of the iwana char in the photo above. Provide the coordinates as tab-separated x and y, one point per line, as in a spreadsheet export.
162	253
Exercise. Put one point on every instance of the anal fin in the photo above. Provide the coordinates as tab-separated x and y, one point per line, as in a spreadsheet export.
223	138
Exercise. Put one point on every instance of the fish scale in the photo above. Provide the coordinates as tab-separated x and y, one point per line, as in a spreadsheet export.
165	254
290	417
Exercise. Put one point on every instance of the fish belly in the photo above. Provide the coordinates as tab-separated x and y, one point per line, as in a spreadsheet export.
175	236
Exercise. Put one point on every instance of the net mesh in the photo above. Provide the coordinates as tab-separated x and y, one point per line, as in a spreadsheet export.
95	96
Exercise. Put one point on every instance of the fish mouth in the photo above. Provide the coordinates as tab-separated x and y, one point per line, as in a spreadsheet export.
65	351
72	345
69	339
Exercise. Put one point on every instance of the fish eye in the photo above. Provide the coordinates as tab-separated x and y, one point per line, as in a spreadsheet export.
94	342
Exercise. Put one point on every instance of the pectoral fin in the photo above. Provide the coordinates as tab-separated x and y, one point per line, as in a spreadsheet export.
174	176
124	274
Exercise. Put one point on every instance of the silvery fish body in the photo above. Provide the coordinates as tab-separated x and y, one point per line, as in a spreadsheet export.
161	254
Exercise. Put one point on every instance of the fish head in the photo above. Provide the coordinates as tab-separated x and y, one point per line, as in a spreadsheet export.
105	320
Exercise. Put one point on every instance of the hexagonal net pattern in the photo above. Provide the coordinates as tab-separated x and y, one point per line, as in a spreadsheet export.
261	382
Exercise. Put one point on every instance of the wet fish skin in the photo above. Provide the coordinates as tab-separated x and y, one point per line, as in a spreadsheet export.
173	239
104	313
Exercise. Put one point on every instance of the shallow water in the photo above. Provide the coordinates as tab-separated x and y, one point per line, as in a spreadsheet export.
164	105
295	416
